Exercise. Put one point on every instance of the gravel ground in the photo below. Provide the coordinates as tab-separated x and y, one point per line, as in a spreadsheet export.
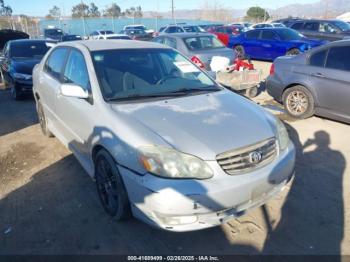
49	205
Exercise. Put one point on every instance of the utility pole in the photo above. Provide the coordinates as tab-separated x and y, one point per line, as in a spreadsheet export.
172	11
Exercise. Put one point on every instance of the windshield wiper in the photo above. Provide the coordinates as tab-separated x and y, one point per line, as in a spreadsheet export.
132	97
179	92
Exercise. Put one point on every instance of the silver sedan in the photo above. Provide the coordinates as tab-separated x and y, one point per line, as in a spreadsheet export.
162	140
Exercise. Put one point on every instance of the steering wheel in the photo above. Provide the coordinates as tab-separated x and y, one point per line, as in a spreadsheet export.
163	79
169	76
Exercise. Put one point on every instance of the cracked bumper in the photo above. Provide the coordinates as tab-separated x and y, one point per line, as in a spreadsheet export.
186	205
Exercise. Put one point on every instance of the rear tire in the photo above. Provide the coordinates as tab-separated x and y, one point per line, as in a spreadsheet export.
110	187
42	120
299	102
240	51
293	51
252	92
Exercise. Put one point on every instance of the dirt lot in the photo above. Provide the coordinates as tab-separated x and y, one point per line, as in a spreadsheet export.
49	205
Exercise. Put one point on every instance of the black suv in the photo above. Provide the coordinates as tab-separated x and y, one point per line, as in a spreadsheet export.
331	30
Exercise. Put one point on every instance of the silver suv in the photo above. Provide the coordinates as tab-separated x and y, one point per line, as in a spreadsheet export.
161	139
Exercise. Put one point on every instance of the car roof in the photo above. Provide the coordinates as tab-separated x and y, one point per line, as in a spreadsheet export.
98	45
187	35
30	40
314	20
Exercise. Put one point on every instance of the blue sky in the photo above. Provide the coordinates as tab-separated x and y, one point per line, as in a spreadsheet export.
41	7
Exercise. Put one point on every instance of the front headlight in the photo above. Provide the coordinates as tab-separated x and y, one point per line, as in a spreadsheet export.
282	135
169	163
20	76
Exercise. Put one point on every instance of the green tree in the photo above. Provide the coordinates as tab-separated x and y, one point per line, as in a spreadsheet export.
80	10
54	12
135	12
257	14
112	11
93	11
5	10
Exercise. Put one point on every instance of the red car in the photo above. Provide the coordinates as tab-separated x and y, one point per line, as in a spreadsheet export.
225	32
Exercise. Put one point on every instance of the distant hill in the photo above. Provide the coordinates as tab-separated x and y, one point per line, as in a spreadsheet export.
320	9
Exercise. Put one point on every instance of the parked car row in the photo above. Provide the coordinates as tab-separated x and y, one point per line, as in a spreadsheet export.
331	30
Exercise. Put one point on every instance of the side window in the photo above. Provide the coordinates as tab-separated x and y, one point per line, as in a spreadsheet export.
312	26
327	28
318	58
339	58
253	34
6	50
170	42
171	30
220	30
297	26
76	71
268	35
54	64
159	40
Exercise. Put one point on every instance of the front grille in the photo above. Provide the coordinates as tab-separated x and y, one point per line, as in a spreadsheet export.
248	158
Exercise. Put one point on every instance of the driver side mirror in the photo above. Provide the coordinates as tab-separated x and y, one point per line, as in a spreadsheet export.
73	90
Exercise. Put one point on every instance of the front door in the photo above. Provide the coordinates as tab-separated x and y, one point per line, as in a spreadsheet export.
76	114
332	82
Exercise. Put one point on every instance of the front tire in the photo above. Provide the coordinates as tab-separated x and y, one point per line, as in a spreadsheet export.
293	51
240	51
299	102
110	187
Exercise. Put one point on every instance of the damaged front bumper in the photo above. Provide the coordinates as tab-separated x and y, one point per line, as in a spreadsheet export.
186	205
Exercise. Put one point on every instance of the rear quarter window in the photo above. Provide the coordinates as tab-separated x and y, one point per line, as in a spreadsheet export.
339	58
318	59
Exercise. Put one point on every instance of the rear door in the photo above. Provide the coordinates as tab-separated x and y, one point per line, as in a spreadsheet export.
332	81
49	82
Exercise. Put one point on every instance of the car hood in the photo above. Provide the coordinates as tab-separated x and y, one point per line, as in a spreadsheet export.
311	42
202	125
24	66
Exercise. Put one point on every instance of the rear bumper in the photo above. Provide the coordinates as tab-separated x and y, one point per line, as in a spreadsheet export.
274	88
186	205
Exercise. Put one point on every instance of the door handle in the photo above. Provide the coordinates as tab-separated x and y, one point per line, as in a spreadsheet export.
317	75
266	45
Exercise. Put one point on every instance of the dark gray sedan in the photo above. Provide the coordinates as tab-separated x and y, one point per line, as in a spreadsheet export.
200	48
316	82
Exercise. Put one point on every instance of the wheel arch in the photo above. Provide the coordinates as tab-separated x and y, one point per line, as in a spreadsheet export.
300	84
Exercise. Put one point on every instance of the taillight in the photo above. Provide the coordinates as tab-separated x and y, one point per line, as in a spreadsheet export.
272	69
197	61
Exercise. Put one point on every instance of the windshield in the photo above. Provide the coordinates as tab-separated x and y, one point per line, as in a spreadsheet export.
106	32
203	42
192	29
71	37
342	25
136	27
53	32
28	49
118	37
131	73
289	34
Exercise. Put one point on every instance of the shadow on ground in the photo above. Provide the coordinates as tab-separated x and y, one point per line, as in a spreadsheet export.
23	111
58	212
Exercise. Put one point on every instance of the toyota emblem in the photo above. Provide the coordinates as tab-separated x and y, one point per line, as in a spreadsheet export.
255	157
